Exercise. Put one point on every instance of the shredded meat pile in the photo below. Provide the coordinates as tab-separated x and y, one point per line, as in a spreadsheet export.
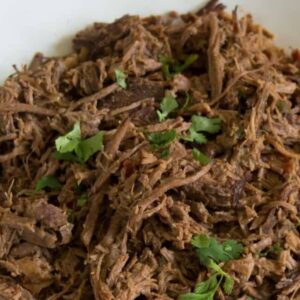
131	240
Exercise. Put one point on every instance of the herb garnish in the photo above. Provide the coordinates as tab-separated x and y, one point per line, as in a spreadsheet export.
71	147
48	182
167	105
210	253
200	157
161	139
205	124
170	66
121	79
202	124
69	141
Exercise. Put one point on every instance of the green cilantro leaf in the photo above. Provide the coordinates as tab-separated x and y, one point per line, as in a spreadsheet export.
187	101
71	147
209	249
82	200
194	136
66	156
170	66
200	138
167	105
166	62
210	284
200	157
161	139
211	252
47	182
207	289
188	61
165	153
228	282
233	249
204	290
194	296
121	78
228	285
86	148
69	141
204	124
201	241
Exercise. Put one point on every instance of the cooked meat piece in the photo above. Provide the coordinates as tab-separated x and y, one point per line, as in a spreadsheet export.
48	214
101	37
10	290
138	89
87	78
7	239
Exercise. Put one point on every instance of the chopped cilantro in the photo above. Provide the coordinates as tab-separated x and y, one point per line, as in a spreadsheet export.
204	124
166	62
86	148
66	156
167	105
187	101
170	66
187	62
204	290
161	139
200	157
165	153
69	141
228	282
71	147
47	182
194	136
211	252
209	248
208	285
121	78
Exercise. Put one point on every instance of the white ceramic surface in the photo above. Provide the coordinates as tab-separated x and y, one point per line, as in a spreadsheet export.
28	26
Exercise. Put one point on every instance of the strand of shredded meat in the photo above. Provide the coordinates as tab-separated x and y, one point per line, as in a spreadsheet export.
131	240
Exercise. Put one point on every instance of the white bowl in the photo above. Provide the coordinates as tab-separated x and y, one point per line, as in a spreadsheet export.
48	26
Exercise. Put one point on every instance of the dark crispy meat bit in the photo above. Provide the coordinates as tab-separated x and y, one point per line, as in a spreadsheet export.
138	89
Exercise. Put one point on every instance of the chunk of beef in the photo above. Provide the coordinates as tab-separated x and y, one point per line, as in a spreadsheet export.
138	89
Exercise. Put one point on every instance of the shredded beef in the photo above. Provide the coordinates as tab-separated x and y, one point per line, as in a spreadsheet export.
130	238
